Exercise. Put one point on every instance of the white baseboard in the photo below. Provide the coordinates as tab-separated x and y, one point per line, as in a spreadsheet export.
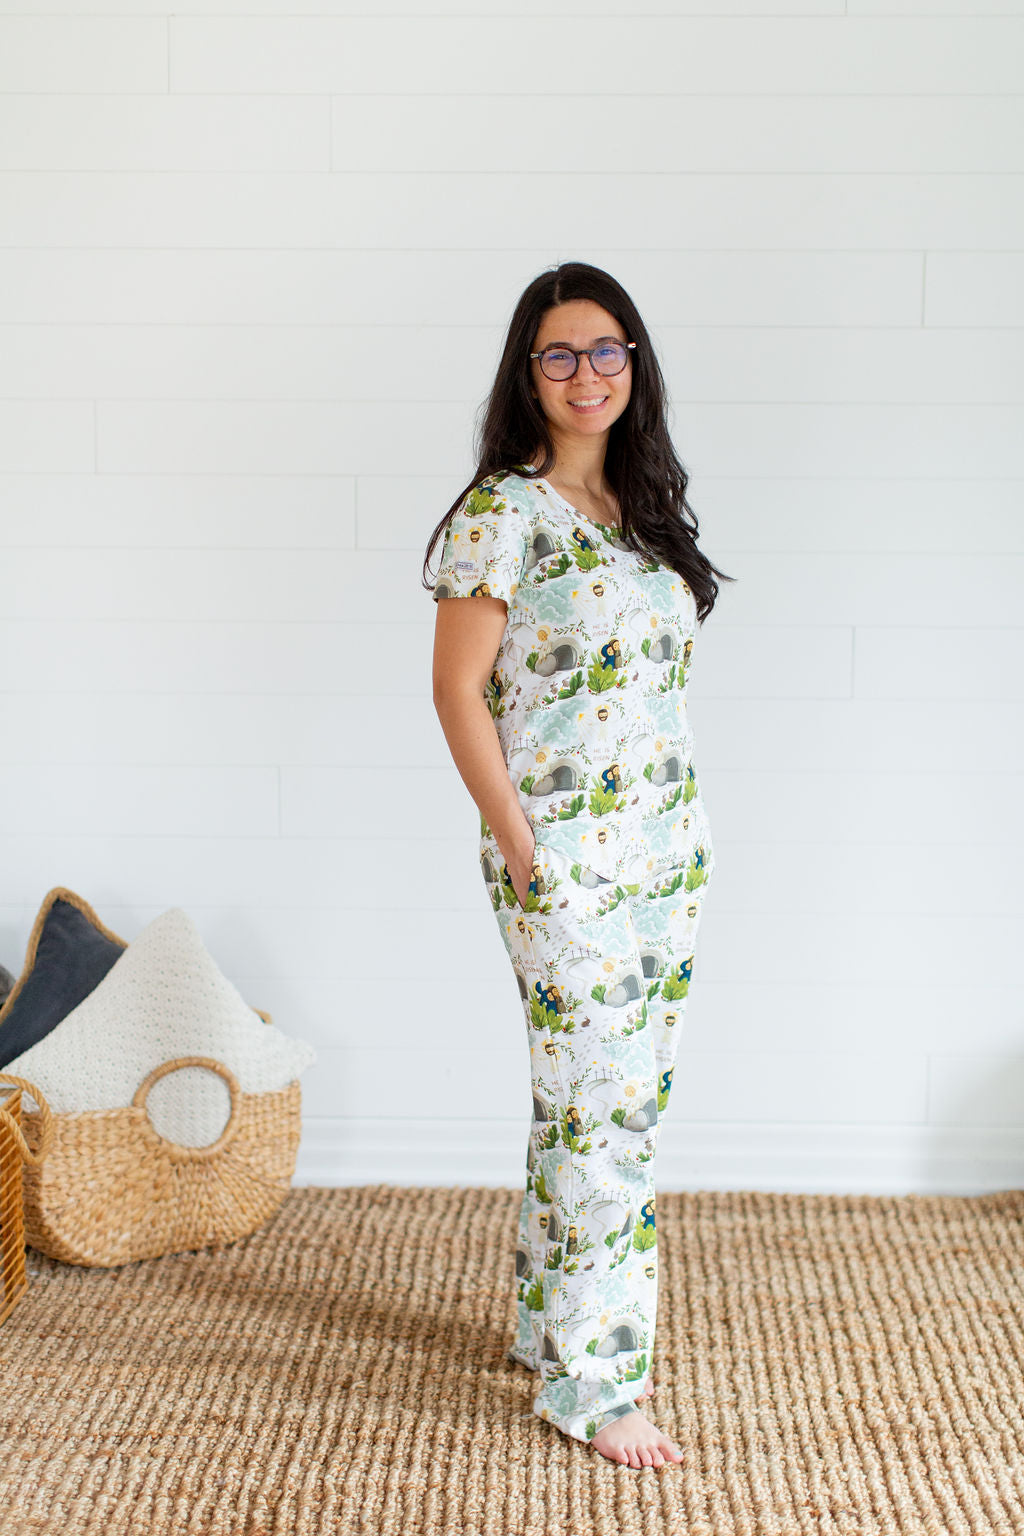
798	1159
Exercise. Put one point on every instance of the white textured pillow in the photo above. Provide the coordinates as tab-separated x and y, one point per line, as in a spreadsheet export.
165	997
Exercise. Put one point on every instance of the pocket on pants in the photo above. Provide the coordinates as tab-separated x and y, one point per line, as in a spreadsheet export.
567	887
559	884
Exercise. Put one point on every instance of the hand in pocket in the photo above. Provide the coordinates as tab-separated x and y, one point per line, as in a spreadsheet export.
520	873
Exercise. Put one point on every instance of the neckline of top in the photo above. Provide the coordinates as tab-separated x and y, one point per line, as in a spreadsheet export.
612	527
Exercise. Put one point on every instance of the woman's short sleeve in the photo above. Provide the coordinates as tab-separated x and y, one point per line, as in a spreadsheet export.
485	547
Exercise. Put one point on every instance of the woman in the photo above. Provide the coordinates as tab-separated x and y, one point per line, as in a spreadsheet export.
561	692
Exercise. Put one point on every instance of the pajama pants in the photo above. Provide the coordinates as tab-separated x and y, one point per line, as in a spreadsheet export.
603	970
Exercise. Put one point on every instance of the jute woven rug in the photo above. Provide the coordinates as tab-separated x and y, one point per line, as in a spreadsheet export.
828	1364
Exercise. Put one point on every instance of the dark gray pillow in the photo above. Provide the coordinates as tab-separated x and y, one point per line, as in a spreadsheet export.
69	953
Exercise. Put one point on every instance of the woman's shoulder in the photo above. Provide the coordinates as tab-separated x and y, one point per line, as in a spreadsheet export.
504	490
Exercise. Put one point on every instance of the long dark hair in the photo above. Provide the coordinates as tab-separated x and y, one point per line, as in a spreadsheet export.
640	464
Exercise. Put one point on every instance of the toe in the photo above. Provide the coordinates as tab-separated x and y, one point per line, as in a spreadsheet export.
646	1459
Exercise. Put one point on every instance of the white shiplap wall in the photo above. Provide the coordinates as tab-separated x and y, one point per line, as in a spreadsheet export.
255	269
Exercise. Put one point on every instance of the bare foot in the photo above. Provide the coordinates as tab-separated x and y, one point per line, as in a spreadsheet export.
633	1441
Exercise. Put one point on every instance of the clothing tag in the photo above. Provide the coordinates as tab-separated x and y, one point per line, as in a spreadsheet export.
465	565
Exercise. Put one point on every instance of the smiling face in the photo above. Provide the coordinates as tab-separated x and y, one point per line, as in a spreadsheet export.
585	405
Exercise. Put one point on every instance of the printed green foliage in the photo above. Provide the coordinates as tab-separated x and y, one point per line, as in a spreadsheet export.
597	992
548	1138
540	1015
554	1258
573	686
572	810
556	568
640	1022
662	1099
652	990
612	899
592	1346
648	771
556	1023
644	1238
671	800
532	659
590	1429
483	502
672	989
668	681
600	678
677	879
695	876
602	801
541	1189
639	1370
526	783
534	1297
689	788
645	646
618	1115
586	559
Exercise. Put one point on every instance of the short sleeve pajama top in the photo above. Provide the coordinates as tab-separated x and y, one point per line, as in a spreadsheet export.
588	690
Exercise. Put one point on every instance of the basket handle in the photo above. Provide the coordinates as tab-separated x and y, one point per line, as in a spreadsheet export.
9	1080
230	1130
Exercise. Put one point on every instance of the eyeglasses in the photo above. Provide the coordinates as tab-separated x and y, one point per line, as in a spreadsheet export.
607	356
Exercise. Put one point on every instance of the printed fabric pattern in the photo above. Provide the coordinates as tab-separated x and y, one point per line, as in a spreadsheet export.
603	974
587	695
588	689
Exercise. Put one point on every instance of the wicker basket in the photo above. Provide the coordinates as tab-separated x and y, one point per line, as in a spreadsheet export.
14	1154
113	1190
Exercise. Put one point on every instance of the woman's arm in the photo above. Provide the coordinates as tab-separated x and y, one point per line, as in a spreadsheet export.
467	634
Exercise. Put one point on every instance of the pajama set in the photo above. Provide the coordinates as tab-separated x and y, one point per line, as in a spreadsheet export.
588	697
